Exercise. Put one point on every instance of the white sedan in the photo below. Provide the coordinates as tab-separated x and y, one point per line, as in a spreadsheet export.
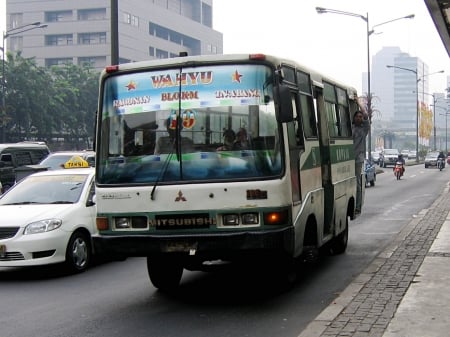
49	217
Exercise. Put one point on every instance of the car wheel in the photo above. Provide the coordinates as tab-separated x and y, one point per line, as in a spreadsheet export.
78	253
165	272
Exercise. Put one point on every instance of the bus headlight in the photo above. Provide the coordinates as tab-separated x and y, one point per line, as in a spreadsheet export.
231	219
122	223
250	219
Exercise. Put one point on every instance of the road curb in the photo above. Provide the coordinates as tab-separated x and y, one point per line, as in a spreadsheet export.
336	307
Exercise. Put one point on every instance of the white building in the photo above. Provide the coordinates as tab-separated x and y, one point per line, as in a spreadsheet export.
80	31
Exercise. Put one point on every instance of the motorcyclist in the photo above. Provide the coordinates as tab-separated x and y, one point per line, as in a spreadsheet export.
400	159
441	155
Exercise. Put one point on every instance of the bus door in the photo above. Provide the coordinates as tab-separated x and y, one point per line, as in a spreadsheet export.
324	144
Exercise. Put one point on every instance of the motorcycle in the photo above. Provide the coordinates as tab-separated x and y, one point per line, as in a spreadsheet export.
440	163
398	170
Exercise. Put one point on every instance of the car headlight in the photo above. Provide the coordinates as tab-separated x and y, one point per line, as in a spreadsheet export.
42	226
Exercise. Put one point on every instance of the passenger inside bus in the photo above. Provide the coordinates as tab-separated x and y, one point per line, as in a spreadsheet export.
166	144
229	136
241	142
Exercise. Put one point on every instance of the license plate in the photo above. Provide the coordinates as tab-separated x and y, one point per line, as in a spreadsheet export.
188	247
2	251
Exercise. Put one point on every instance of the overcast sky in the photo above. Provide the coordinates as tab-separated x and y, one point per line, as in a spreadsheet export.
331	43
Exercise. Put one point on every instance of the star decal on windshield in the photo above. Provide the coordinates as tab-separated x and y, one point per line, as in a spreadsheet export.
131	86
236	77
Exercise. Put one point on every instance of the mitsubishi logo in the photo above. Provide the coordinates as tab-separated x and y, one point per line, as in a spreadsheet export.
180	197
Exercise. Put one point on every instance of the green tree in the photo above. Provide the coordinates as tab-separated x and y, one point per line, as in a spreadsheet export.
49	104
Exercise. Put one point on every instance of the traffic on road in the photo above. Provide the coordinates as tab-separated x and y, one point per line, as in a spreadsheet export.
117	297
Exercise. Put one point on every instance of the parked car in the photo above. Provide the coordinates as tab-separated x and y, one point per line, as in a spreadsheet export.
56	160
47	218
405	154
431	159
412	154
370	172
390	157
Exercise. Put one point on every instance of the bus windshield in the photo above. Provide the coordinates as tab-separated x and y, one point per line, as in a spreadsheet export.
206	123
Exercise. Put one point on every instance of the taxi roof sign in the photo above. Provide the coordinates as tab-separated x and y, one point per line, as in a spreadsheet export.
76	162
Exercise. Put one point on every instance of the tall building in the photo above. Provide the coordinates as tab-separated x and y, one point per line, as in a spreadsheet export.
382	83
79	31
406	88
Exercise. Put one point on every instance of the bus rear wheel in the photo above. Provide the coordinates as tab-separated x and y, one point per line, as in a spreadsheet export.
339	243
165	272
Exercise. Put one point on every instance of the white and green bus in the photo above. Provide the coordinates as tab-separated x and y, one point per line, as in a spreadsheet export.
175	183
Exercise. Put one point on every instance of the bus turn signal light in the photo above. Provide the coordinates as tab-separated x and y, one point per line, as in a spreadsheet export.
276	218
102	224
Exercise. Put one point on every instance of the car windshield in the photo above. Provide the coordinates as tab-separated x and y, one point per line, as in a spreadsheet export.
433	155
46	189
55	162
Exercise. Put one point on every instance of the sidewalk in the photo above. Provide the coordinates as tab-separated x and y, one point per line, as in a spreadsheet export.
405	292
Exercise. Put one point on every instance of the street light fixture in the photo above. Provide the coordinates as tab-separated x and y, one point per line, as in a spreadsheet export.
8	33
417	106
322	10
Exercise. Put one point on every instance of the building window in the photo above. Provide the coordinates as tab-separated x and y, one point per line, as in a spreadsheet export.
161	54
59	40
15	20
92	38
206	15
15	43
175	37
92	14
127	18
130	19
135	21
151	51
58	16
58	61
94	62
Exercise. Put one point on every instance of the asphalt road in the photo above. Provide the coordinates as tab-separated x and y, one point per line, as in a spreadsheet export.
117	298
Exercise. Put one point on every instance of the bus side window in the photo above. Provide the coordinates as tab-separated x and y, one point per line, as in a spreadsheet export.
295	129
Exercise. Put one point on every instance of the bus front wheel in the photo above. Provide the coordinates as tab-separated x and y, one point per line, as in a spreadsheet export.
165	272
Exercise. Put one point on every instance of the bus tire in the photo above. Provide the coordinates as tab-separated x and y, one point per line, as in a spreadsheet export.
165	272
339	243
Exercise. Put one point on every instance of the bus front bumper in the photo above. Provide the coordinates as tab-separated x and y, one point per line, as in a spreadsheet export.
206	246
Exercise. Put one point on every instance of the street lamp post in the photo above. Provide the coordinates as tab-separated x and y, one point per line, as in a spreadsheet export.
8	33
321	10
417	106
434	116
446	115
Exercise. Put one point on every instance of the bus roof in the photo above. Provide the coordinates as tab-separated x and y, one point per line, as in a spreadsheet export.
187	61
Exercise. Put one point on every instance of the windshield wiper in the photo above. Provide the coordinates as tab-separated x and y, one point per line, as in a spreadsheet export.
161	173
61	202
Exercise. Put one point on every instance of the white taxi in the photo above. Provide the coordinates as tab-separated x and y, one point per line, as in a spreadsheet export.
49	217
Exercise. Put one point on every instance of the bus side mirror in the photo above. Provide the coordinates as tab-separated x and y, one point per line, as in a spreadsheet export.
285	111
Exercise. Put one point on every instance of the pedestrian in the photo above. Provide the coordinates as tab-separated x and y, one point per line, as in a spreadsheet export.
360	129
